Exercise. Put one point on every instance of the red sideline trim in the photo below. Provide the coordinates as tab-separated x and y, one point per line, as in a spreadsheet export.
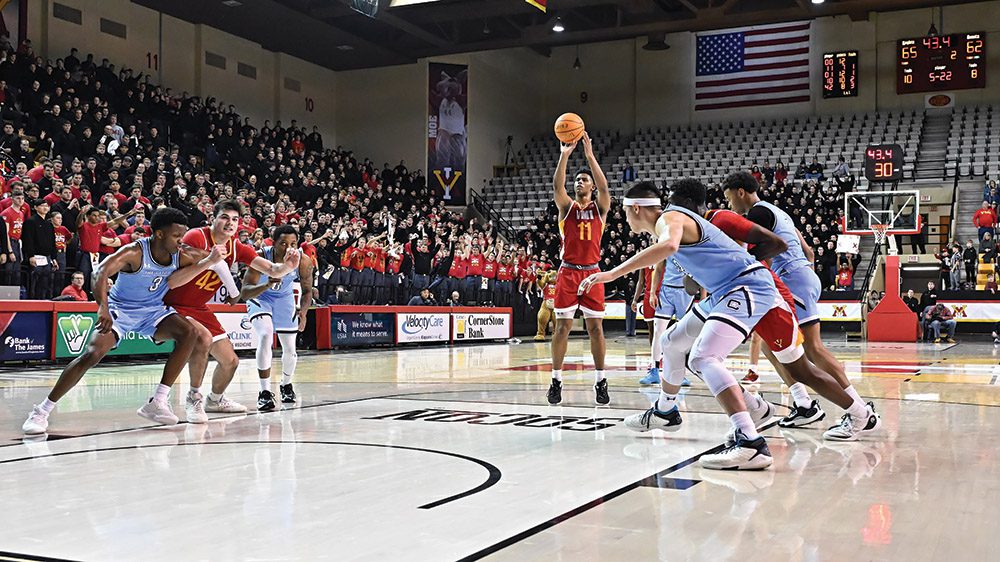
26	306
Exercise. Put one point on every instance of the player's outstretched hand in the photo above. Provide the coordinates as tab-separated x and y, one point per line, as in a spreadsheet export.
104	321
598	278
292	259
567	148
588	146
217	254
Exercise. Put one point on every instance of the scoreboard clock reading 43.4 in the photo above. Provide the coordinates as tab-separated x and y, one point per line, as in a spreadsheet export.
884	162
941	62
840	74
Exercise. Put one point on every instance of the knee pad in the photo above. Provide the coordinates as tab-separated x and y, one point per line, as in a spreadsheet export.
715	342
263	330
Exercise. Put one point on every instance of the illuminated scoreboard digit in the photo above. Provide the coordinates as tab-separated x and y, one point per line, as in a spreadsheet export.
884	162
840	74
941	62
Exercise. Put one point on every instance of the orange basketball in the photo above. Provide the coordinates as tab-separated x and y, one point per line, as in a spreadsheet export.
569	127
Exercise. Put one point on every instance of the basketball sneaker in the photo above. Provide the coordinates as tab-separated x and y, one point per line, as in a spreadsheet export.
555	392
751	376
224	406
655	419
37	422
287	393
849	429
601	393
194	408
652	376
158	411
745	454
800	416
265	401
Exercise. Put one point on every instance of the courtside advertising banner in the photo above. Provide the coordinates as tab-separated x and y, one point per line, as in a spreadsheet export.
74	330
466	327
433	327
352	328
237	326
447	142
25	335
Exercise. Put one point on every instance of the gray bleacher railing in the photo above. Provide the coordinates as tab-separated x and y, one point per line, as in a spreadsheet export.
490	212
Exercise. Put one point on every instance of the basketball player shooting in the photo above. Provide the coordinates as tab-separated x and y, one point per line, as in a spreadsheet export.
581	224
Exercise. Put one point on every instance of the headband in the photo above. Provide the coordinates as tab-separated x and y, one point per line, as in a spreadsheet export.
642	201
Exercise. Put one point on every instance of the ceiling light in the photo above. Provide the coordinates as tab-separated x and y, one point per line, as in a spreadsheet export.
576	64
933	30
486	28
345	47
655	42
818	1
558	26
232	3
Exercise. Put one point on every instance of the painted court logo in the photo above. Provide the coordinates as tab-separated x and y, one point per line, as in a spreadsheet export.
75	330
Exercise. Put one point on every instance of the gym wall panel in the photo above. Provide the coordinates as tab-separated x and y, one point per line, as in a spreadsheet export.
253	97
316	101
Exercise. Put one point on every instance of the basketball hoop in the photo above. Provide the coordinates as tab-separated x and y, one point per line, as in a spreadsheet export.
881	232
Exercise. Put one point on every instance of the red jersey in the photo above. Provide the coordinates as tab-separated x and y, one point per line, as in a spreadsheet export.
474	264
458	268
62	237
357	259
550	291
90	236
394	264
108	233
505	272
372	258
527	272
738	228
201	289
490	269
345	257
15	221
845	277
8	203
581	232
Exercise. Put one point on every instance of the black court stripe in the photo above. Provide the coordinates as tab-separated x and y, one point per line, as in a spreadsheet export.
491	480
493	549
15	557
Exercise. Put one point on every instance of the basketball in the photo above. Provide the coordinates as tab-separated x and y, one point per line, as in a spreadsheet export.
569	128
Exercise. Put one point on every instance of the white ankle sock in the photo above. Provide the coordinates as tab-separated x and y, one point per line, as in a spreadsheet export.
557	374
853	393
195	390
858	410
598	375
801	395
161	393
665	402
753	367
743	422
752	401
286	378
265	384
214	397
47	406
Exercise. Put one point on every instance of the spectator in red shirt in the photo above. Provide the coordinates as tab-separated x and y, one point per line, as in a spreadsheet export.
474	265
91	227
504	287
986	219
75	288
63	238
140	224
456	273
490	274
14	219
136	200
394	262
845	275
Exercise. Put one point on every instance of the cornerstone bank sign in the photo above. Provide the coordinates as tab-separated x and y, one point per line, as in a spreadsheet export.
422	327
481	326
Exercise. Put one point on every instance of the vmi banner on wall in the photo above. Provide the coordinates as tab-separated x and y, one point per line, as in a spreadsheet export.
447	142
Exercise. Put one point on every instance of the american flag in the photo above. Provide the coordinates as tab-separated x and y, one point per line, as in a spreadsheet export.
758	65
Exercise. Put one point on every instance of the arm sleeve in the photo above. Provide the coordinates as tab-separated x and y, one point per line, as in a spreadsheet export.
226	276
763	216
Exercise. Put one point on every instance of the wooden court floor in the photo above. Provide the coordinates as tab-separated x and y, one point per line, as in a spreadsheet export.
453	453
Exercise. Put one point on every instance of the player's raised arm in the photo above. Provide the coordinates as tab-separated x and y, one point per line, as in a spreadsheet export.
271	269
252	284
129	257
193	262
600	180
562	198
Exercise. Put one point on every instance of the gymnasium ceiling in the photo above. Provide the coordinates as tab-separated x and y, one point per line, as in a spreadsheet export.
329	33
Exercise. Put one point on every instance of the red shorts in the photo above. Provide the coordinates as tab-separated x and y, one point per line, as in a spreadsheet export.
780	331
648	310
567	301
205	317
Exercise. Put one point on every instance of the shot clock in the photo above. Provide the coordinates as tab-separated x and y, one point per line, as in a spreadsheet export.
941	62
884	163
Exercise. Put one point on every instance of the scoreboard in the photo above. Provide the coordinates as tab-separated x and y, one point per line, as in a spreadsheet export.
840	74
941	62
884	163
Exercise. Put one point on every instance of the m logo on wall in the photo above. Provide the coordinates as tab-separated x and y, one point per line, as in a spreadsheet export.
447	142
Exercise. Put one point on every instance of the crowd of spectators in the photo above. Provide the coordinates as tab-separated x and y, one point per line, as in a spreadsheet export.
88	151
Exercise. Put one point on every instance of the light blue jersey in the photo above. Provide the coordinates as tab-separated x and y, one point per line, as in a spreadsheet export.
792	258
674	300
794	269
742	289
278	301
136	299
